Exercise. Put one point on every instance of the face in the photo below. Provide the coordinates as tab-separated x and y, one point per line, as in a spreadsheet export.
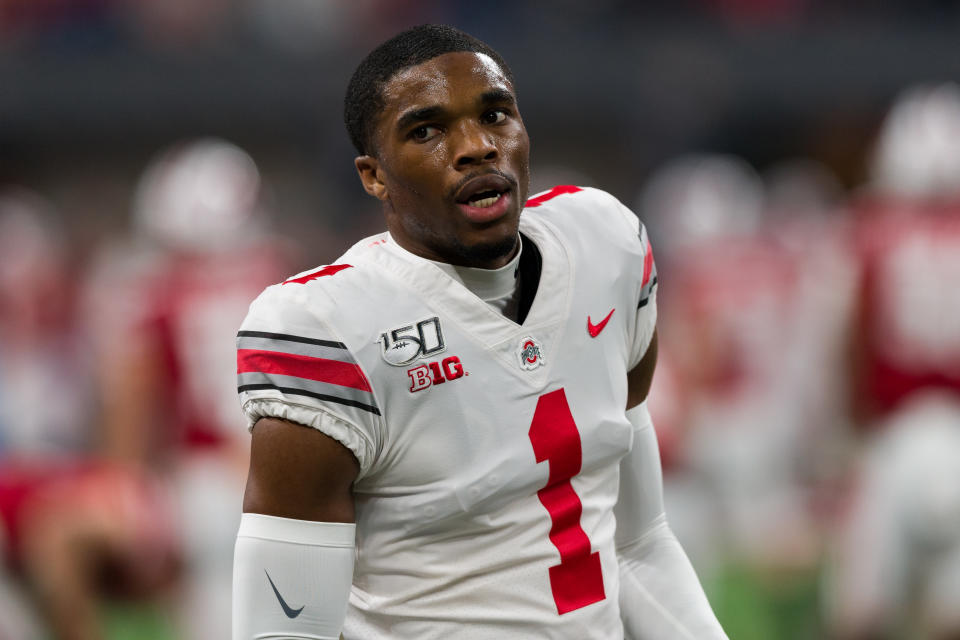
451	161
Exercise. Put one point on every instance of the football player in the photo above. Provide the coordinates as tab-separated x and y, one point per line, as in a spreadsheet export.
898	558
757	285
161	304
449	435
66	515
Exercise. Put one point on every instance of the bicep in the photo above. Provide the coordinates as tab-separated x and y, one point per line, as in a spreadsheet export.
299	472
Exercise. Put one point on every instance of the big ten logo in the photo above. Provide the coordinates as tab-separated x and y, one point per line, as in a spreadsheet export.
432	373
403	345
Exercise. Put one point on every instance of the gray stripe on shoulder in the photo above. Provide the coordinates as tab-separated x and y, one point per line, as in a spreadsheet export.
313	386
325	351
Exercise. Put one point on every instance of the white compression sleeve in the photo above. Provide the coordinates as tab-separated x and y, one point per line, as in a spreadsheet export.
291	578
660	595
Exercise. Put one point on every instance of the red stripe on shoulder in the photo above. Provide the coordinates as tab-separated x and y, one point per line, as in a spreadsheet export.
553	193
319	273
345	374
647	265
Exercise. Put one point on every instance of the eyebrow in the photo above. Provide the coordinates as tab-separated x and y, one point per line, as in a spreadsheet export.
419	115
413	116
497	95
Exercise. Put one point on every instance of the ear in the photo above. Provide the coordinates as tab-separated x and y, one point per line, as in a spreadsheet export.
369	169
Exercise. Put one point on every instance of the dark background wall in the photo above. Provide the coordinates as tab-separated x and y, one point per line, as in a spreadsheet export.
90	89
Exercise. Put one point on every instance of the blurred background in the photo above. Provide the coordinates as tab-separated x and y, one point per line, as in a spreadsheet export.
797	164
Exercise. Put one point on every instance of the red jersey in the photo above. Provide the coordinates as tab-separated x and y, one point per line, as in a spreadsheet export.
183	309
731	304
908	323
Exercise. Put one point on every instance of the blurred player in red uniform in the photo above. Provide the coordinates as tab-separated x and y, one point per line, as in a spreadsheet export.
166	306
899	559
67	518
755	290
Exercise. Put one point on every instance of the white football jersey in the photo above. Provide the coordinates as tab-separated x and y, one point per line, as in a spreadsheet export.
488	449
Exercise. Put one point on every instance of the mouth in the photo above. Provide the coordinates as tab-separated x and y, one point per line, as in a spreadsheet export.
485	198
483	191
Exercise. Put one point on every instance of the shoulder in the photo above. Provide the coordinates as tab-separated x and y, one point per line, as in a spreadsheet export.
571	196
294	363
584	207
589	215
311	296
295	304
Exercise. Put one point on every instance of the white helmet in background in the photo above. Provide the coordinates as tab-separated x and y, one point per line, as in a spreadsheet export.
917	154
202	195
702	196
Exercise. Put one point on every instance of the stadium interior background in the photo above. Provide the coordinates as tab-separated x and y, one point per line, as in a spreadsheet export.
784	98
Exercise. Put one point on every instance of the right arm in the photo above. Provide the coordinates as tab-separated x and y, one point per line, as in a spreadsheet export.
295	545
315	427
299	472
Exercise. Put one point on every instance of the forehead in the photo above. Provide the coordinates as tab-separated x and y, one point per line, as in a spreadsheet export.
443	80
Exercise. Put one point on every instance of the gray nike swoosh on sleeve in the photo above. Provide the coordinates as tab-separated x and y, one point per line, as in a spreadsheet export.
291	613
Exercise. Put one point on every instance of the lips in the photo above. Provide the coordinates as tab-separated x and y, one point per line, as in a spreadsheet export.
479	191
485	199
486	210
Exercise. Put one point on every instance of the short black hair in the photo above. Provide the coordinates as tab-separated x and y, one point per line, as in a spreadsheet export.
364	99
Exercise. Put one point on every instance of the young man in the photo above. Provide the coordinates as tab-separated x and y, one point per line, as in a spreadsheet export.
441	442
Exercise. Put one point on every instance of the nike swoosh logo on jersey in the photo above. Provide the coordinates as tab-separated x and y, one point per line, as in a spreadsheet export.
595	329
291	613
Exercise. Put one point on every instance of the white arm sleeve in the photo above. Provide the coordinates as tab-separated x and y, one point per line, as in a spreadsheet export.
660	595
291	578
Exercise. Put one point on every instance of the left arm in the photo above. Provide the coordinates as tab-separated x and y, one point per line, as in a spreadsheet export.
640	377
660	595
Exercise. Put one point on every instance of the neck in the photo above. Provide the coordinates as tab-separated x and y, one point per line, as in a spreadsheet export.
497	287
429	245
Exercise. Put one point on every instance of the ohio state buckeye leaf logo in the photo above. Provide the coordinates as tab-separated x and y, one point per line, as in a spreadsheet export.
530	354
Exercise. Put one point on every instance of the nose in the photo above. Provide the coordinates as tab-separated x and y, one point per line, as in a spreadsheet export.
474	146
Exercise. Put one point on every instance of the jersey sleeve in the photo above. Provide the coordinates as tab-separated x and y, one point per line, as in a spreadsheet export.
645	271
646	321
291	365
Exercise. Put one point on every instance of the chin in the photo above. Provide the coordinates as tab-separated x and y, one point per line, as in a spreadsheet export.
484	253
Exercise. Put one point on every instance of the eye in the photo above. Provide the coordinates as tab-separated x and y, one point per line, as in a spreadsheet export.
495	116
424	132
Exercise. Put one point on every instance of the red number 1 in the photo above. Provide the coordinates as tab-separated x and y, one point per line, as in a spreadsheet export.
577	581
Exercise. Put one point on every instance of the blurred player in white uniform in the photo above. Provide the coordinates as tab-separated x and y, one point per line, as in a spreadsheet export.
898	562
441	447
161	303
755	290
